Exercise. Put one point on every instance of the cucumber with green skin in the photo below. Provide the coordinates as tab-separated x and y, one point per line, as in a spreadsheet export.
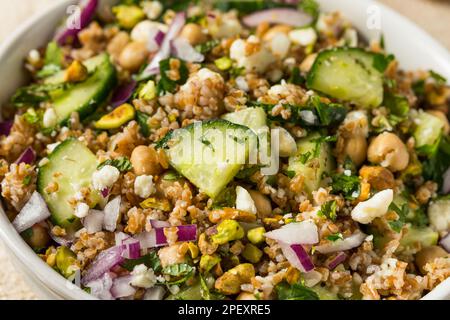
312	167
86	96
71	166
210	153
348	74
427	132
254	118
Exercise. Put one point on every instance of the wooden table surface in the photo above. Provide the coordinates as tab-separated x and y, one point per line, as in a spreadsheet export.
431	15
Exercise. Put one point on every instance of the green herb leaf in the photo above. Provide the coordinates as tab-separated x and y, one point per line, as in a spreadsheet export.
151	260
53	60
311	7
348	186
440	80
328	210
296	77
142	119
225	199
122	163
166	84
435	167
398	107
295	292
35	94
182	272
207	46
335	237
26	181
381	61
402	212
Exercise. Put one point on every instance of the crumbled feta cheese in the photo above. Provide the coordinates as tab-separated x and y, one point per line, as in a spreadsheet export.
439	214
304	37
81	210
280	44
224	26
143	277
146	31
43	162
242	84
105	177
152	9
49	119
52	146
375	207
143	186
244	201
259	59
348	173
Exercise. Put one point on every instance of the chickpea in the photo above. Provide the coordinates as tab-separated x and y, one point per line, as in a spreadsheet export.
427	255
441	115
133	56
279	28
117	44
145	161
39	237
356	149
378	177
262	203
308	62
193	33
388	150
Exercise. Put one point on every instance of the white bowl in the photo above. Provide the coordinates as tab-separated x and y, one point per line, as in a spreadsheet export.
413	47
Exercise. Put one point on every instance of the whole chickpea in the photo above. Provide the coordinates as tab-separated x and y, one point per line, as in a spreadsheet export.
133	56
427	255
193	33
441	115
262	203
356	149
117	44
279	28
145	161
388	150
39	237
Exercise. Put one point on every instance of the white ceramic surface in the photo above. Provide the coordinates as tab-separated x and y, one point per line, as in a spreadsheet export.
413	47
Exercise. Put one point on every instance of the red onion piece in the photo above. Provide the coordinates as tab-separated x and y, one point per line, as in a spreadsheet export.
120	237
159	38
355	240
155	293
292	17
28	156
182	49
175	28
337	260
123	93
132	248
34	211
101	287
159	224
122	288
304	232
446	182
105	192
5	127
297	256
185	233
445	242
103	263
68	34
112	212
94	221
147	239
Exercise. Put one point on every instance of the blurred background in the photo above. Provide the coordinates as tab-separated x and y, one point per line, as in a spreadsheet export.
431	15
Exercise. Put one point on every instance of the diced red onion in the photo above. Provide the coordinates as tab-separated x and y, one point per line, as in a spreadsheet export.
122	288
103	263
337	260
147	239
94	221
185	233
28	156
105	192
34	211
348	243
123	93
164	52
155	293
297	256
304	232
445	242
5	127
67	34
101	287
446	182
120	237
159	37
112	212
159	224
132	248
182	49
292	17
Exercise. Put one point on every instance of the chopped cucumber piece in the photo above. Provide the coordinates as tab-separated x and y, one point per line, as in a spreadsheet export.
312	160
210	153
70	166
427	132
425	236
86	96
254	118
324	293
348	74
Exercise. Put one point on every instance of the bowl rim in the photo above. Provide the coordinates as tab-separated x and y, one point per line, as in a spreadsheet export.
49	278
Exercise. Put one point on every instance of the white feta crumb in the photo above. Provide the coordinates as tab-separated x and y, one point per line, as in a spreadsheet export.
304	37
242	84
439	214
143	186
348	173
81	210
244	201
105	177
43	162
49	119
280	44
257	61
143	277
375	207
152	9
52	146
174	289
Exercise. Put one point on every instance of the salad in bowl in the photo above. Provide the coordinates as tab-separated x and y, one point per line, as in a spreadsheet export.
228	150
